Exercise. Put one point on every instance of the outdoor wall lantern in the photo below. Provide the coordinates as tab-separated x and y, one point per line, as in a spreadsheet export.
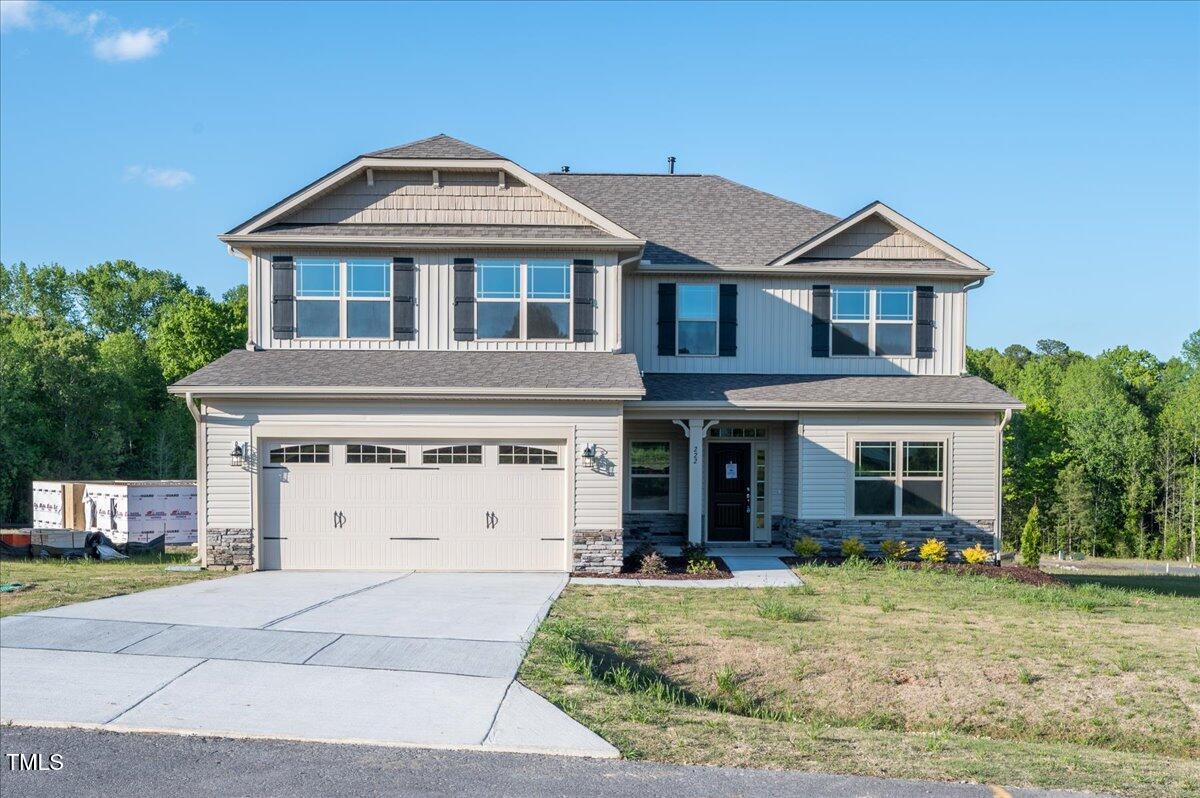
237	456
589	454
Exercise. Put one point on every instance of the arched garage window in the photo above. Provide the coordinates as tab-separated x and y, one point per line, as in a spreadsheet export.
517	454
460	454
370	453
301	453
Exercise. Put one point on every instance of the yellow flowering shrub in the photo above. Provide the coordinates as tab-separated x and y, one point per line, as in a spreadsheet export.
976	555
933	550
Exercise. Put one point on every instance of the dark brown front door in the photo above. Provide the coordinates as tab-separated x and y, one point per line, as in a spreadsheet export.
729	491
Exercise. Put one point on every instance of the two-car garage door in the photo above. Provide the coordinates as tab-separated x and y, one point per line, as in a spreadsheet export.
395	504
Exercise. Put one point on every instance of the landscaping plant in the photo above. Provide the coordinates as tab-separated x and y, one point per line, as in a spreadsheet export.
894	550
1031	539
806	548
701	565
976	555
933	550
653	564
853	547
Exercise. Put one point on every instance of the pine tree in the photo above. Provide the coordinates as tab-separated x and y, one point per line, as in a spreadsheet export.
1031	539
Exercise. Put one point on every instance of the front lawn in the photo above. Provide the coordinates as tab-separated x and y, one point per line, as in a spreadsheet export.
54	582
880	671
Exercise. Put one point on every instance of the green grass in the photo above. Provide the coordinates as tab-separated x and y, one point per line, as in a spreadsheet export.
882	671
54	582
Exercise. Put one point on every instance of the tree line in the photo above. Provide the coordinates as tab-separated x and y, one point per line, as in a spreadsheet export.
85	358
1107	447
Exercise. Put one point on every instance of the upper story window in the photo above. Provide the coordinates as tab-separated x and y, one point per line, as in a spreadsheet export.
871	321
523	300
696	319
338	298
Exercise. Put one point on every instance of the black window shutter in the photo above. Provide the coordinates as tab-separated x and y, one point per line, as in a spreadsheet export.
666	318
822	299
924	321
404	291
727	314
464	299
584	274
283	297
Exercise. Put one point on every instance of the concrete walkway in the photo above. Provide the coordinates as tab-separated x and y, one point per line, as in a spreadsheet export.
751	567
396	658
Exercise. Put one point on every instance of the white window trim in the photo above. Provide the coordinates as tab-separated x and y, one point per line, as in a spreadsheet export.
342	298
423	448
898	479
670	482
872	320
524	299
402	448
278	445
716	320
555	450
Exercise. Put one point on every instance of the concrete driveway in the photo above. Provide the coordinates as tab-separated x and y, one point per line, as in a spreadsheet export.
394	658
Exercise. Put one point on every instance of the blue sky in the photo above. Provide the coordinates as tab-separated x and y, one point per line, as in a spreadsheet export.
1059	144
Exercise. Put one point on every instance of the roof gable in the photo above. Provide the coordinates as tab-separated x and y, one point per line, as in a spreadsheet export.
439	146
877	232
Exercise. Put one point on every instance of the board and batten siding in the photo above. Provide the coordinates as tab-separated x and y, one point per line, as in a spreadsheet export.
412	197
228	488
775	328
972	458
435	304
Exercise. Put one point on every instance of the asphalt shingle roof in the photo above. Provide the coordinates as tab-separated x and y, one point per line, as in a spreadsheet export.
410	231
419	369
696	219
439	146
805	389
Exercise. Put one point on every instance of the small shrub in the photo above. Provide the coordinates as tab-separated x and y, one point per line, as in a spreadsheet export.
653	564
693	551
703	565
933	550
976	555
806	548
894	550
1031	539
853	547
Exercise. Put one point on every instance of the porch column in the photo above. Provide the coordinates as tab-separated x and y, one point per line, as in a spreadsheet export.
695	431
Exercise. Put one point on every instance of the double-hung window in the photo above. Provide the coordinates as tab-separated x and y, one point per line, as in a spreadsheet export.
338	298
899	478
868	321
696	318
516	300
649	476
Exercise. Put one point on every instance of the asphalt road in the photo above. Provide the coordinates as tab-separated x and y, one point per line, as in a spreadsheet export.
133	765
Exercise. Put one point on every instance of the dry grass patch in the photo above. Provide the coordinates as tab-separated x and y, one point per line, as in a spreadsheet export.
889	672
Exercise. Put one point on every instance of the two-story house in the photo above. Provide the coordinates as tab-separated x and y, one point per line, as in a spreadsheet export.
455	363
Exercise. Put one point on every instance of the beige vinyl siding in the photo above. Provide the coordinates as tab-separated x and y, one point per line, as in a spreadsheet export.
411	197
775	328
875	238
596	494
435	305
789	444
826	467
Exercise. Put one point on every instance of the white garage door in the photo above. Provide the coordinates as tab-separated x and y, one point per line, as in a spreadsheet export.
449	505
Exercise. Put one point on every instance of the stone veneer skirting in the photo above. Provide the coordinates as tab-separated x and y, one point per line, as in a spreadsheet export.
655	529
956	533
597	551
229	548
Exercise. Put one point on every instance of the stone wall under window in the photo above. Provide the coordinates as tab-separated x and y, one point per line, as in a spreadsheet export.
229	549
654	529
956	533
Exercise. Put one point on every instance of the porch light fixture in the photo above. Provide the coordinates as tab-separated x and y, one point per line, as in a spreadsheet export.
589	454
237	456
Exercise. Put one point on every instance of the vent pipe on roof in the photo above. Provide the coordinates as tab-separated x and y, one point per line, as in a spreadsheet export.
670	164
566	169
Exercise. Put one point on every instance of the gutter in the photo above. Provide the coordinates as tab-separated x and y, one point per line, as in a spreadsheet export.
431	243
451	392
784	405
974	274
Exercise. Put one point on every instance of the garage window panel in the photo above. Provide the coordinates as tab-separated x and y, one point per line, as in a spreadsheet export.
371	453
458	454
521	454
300	453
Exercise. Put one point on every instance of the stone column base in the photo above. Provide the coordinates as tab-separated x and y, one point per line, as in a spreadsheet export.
229	549
597	550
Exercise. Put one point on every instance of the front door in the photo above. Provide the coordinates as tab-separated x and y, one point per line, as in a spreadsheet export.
728	492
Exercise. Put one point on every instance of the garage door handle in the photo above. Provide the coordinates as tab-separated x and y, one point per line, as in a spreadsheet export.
339	519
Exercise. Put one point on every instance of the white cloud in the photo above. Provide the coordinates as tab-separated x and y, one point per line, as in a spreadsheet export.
159	178
109	41
17	14
130	45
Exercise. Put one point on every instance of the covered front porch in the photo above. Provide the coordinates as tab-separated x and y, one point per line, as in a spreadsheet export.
725	479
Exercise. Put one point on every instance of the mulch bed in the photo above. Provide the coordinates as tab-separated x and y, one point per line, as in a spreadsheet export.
1017	573
676	570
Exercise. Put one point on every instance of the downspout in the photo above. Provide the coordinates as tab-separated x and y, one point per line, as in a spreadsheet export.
962	367
620	315
1007	417
251	296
